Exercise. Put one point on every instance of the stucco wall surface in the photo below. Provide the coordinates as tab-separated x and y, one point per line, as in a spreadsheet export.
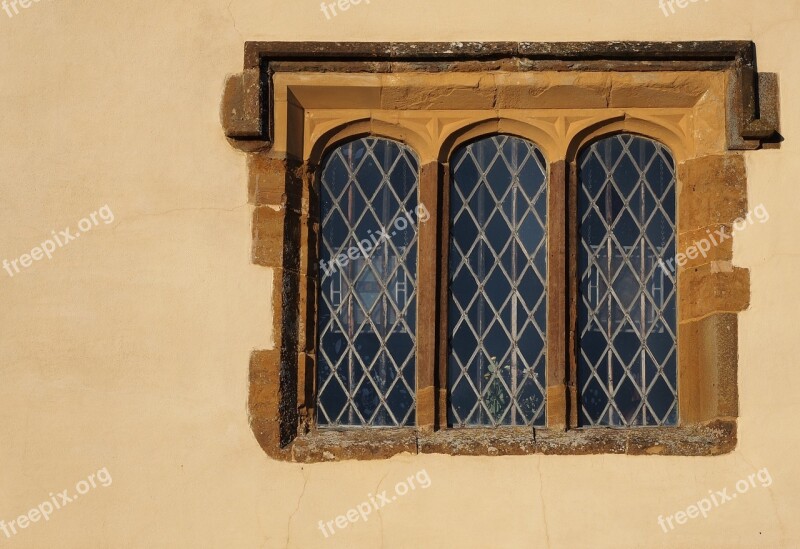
124	357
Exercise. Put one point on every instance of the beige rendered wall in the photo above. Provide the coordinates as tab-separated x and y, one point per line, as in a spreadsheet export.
128	350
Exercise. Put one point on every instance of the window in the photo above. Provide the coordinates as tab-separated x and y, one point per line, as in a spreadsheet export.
498	271
628	358
368	279
536	306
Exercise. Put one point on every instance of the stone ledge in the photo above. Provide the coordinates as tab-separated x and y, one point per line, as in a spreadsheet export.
710	439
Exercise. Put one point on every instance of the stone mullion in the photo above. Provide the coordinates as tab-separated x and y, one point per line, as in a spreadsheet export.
557	287
427	269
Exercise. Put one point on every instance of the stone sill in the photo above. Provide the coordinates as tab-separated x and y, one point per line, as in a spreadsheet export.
710	439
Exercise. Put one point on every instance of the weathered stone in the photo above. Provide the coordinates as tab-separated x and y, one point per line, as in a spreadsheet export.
713	191
241	105
354	444
715	438
267	180
752	105
268	236
708	244
703	292
708	365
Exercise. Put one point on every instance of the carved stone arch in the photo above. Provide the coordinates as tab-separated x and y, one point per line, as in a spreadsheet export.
598	129
471	131
368	127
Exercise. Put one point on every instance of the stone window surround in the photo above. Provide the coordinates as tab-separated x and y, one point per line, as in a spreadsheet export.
294	101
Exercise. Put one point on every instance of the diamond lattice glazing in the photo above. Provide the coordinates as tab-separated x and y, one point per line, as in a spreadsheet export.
497	303
367	307
626	320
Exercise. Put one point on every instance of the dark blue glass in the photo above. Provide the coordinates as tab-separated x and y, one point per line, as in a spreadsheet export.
627	312
366	373
497	261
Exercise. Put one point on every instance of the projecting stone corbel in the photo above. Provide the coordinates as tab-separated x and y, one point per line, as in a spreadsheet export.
754	110
242	116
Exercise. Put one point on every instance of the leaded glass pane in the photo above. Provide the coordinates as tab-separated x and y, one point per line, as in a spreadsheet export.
497	301
368	281
627	364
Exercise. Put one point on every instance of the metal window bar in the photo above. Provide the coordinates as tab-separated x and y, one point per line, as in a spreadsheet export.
627	201
367	318
497	284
